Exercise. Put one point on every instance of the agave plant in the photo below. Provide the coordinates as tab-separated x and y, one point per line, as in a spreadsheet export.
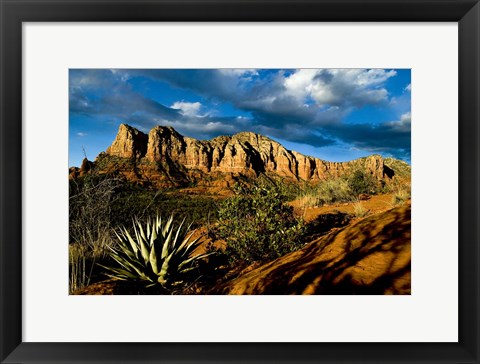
159	254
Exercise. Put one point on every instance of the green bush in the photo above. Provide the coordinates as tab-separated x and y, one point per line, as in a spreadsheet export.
361	182
258	225
159	254
334	190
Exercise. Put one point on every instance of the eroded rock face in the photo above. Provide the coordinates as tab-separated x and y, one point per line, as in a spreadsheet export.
86	166
374	164
129	143
165	154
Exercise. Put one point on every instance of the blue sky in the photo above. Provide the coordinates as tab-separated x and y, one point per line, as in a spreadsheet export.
332	114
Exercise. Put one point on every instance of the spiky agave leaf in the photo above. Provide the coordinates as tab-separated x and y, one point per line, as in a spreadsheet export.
159	253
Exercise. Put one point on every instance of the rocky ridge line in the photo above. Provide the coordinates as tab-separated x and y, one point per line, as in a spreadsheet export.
166	157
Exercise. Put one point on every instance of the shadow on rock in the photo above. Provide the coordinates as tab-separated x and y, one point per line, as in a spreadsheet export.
371	256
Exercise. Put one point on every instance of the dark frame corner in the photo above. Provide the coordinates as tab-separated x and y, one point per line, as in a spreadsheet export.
14	12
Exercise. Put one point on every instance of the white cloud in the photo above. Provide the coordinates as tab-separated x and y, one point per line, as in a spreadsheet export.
81	134
339	86
408	87
371	77
407	117
404	124
298	84
188	108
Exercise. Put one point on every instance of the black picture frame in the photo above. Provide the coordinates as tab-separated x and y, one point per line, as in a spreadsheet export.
14	12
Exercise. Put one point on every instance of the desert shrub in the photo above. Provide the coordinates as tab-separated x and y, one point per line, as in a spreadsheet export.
333	190
161	254
90	202
107	162
257	224
326	192
146	203
286	187
339	189
360	182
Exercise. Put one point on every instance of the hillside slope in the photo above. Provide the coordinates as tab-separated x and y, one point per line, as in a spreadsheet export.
371	256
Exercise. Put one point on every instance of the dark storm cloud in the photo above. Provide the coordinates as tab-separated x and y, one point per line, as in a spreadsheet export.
102	92
390	138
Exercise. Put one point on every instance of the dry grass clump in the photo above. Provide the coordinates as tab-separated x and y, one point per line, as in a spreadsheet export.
79	275
359	210
82	259
309	199
401	194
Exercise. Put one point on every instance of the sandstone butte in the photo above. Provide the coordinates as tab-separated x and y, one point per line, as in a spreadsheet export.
166	158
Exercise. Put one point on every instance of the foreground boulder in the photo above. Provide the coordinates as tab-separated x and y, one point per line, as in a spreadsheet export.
371	256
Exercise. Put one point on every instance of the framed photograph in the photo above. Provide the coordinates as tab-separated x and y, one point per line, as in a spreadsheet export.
247	181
